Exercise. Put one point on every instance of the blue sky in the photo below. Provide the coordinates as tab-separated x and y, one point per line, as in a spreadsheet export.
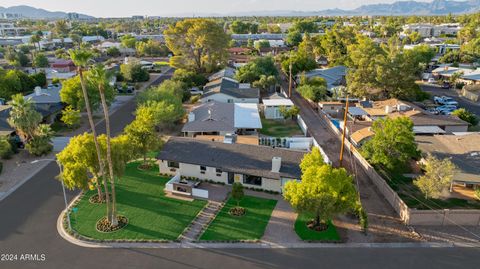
123	8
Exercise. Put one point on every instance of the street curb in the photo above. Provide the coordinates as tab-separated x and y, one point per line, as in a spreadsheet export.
260	245
23	181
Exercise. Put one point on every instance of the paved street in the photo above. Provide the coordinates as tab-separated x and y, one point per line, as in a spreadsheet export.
28	225
468	105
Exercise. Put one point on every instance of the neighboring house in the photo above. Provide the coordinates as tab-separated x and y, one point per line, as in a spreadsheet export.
332	108
47	102
272	104
227	72
462	150
361	118
471	92
259	167
124	51
5	128
334	76
227	90
63	66
238	56
469	76
216	118
431	30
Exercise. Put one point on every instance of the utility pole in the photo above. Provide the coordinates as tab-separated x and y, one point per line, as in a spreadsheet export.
344	132
290	77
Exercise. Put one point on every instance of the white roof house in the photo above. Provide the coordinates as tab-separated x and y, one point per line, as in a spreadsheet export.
277	102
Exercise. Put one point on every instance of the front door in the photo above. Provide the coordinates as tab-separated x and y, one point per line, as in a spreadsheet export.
231	178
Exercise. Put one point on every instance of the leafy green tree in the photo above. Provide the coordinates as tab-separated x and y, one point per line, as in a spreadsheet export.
113	52
262	44
253	70
334	44
40	79
438	176
40	60
6	150
197	44
393	143
189	78
240	27
466	115
237	192
289	113
265	82
72	94
78	160
133	72
304	26
151	48
170	91
311	92
141	132
414	37
128	41
323	192
41	142
23	117
71	117
293	38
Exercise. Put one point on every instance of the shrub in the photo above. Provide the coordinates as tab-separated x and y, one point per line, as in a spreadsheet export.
5	148
194	99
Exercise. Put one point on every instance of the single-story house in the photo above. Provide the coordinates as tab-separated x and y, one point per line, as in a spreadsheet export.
63	66
332	108
215	118
227	72
469	76
462	150
335	76
227	90
254	166
272	104
47	102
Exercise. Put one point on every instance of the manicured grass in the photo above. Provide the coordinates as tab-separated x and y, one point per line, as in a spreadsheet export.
280	128
250	226
161	63
307	234
141	199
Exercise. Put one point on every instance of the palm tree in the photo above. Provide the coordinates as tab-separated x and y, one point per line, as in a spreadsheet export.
81	58
101	77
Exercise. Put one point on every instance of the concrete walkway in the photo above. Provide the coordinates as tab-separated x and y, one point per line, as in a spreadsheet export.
280	228
201	222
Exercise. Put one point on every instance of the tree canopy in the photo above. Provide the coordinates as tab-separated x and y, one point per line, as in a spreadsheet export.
253	70
437	177
197	44
393	143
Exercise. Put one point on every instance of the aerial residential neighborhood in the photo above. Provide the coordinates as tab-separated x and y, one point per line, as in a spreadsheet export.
239	134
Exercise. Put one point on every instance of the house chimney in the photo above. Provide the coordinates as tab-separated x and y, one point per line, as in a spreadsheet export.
191	117
38	91
276	164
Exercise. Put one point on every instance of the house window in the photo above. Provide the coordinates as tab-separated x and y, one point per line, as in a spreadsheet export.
173	164
219	172
252	180
230	101
203	169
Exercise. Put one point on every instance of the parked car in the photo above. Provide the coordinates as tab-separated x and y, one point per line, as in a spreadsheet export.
431	80
445	100
195	91
446	85
446	109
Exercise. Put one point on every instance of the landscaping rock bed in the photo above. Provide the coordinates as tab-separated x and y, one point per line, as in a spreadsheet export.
104	225
317	227
94	199
237	211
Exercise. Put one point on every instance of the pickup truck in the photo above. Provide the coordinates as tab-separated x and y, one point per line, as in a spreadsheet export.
445	100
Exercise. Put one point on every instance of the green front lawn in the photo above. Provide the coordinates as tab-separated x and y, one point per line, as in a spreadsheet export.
141	199
280	128
310	235
250	226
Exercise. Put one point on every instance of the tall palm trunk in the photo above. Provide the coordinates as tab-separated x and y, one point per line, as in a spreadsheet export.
97	146
109	154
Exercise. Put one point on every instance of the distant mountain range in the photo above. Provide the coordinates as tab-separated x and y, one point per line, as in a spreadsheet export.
437	7
38	13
